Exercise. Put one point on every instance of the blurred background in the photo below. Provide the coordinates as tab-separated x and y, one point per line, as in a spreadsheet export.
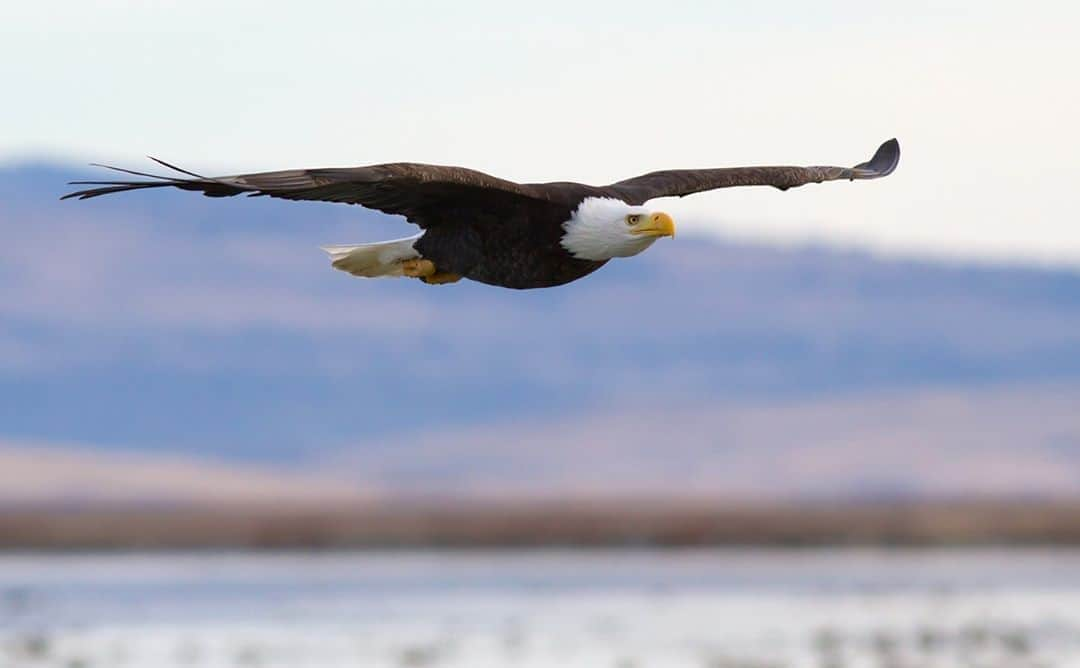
813	408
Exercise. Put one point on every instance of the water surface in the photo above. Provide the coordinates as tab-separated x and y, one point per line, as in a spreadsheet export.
710	608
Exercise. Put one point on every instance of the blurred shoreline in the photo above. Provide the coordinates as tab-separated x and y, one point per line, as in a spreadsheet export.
456	523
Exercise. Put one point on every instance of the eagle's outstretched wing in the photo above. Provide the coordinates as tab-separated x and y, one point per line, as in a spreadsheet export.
680	182
417	191
427	193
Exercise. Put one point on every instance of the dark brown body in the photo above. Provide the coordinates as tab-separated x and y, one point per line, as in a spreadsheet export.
514	245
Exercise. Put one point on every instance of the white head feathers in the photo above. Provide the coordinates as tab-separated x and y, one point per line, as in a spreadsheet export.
603	228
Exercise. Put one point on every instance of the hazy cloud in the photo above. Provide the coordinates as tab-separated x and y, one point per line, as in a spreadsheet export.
594	93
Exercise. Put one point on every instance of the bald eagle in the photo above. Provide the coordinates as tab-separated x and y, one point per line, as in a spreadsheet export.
476	226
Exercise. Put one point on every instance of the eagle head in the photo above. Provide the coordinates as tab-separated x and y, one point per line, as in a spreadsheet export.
603	228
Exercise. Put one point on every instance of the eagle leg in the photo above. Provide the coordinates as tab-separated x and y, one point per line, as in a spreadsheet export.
425	270
418	268
441	278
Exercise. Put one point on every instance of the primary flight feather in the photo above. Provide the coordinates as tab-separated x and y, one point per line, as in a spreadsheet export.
476	226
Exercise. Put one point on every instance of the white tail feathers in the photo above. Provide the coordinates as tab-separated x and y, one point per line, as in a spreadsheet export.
383	258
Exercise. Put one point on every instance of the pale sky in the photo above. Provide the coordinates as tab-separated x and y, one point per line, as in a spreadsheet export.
984	97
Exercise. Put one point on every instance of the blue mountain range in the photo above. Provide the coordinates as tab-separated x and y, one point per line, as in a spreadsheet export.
168	322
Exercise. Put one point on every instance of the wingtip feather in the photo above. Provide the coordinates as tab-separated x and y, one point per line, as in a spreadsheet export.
175	168
883	163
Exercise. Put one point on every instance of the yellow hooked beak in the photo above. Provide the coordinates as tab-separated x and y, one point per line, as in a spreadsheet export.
656	225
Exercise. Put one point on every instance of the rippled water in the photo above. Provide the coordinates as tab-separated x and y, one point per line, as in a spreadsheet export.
827	608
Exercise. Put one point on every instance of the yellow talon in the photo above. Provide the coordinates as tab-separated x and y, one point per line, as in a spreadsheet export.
441	278
418	268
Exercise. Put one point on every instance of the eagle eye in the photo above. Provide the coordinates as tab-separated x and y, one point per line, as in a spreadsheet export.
633	219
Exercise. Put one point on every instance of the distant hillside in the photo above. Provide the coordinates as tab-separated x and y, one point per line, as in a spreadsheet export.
165	322
1019	444
32	474
1016	443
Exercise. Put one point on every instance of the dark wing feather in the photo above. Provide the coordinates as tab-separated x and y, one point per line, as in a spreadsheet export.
414	190
682	182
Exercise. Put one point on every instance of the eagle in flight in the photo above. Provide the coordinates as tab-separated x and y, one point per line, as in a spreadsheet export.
476	226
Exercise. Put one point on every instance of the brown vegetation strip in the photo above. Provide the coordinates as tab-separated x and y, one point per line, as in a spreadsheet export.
541	524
